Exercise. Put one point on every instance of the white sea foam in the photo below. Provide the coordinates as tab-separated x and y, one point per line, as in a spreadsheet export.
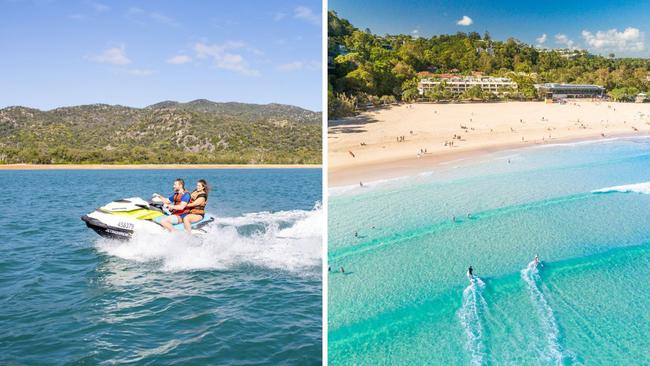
636	188
553	351
356	188
589	142
296	247
470	315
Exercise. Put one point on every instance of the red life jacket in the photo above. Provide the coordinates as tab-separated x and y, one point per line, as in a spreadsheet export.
177	201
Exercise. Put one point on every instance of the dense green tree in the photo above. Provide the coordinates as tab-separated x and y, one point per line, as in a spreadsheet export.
367	65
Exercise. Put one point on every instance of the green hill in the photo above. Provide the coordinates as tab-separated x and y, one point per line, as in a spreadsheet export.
199	131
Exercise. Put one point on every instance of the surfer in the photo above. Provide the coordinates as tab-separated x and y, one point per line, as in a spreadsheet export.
536	260
470	273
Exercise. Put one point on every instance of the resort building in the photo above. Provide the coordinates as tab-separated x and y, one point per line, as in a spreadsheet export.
561	91
641	98
459	84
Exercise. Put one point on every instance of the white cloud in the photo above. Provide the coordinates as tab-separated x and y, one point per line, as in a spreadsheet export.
631	39
465	21
140	72
163	19
564	40
306	14
299	65
291	66
140	16
224	59
541	39
100	8
179	59
113	55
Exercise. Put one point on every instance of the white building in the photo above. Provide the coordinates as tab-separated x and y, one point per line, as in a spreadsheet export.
459	84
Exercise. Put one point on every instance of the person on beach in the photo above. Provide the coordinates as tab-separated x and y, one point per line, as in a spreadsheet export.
198	201
176	204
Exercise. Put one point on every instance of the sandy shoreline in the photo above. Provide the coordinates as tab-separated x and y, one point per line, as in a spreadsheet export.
150	166
480	129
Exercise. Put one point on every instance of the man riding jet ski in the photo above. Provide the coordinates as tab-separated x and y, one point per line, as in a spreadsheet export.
121	219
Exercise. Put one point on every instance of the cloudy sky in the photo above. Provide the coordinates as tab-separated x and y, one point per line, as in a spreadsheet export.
136	53
601	27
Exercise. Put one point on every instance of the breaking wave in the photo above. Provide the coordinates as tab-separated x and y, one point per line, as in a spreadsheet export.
627	188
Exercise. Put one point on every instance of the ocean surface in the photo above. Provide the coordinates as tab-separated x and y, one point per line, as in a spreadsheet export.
249	293
406	244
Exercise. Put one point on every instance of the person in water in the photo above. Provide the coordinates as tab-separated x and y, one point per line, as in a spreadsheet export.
196	206
470	272
536	260
177	205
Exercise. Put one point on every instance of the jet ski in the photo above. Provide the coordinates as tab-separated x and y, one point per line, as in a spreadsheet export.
121	219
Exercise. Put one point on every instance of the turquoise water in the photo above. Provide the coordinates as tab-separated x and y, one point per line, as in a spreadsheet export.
404	298
249	293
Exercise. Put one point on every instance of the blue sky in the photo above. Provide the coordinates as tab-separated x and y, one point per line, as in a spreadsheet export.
136	53
602	27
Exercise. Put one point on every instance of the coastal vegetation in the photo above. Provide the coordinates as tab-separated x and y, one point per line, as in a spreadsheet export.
200	131
368	69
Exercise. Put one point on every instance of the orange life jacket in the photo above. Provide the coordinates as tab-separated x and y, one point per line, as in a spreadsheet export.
177	201
199	209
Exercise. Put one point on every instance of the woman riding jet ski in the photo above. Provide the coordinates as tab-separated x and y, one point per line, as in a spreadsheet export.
121	219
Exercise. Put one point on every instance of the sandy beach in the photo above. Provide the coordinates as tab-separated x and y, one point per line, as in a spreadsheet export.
409	138
149	166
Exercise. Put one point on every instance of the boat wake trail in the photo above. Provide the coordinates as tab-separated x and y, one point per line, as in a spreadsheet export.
553	351
471	315
285	240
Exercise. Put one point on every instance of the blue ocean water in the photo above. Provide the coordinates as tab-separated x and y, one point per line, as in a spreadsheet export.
249	293
406	244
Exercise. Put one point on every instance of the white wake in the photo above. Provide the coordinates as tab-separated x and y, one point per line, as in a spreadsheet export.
470	315
553	352
285	240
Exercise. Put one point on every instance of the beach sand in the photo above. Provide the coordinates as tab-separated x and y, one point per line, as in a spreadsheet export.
366	147
148	166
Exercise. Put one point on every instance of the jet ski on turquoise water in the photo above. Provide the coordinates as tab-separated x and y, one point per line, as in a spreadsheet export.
121	219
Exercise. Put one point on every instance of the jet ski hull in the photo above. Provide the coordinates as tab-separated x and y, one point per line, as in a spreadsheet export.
107	231
123	223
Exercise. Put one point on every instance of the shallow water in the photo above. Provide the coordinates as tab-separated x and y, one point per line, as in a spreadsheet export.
405	299
249	293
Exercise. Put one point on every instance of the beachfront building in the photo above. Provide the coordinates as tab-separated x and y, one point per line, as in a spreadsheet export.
641	98
550	91
459	84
